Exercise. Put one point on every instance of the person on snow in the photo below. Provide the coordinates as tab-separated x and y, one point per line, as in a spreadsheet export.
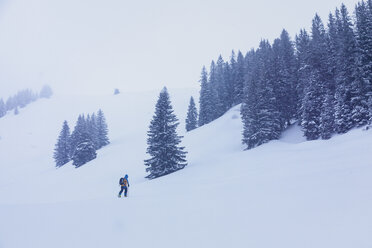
124	183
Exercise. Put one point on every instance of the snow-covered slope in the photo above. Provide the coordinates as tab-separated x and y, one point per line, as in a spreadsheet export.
287	193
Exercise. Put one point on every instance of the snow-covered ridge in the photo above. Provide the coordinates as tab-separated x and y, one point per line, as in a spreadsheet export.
287	193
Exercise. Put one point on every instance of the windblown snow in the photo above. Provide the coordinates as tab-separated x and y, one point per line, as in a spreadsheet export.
287	193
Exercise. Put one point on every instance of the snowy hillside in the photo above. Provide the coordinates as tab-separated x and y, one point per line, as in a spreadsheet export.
287	193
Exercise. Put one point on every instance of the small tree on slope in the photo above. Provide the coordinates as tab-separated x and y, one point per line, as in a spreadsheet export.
192	116
163	141
62	148
102	130
46	92
16	111
2	108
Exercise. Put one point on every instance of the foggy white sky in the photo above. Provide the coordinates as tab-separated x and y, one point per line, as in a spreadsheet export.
94	46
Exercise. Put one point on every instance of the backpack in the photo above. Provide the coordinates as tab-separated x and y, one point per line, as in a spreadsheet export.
121	182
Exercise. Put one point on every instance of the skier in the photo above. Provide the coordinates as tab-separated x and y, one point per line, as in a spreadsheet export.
124	183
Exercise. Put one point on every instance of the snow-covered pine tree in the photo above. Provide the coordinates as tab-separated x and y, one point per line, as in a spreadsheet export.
327	125
163	142
204	102
102	130
16	111
360	113
328	122
327	114
249	111
261	118
267	104
239	78
221	89
214	106
10	103
314	91
209	107
62	148
24	97
79	134
2	108
93	130
233	78
84	151
82	146
363	24
192	116
46	92
285	83
351	100
229	86
20	100
311	109
333	51
303	68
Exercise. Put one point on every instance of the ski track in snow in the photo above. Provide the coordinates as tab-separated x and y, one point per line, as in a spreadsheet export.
287	193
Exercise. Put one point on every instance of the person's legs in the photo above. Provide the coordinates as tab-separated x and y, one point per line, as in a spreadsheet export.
121	191
125	191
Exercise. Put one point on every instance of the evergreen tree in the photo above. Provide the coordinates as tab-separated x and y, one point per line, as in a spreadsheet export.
214	105
249	110
163	141
79	134
2	108
20	100
84	152
327	108
286	81
268	113
363	25
46	92
10	104
261	118
24	97
233	79
324	81
192	116
351	108
16	111
239	79
204	101
209	101
229	86
81	144
303	68
93	129
311	112
327	125
62	149
221	87
333	51
102	130
315	86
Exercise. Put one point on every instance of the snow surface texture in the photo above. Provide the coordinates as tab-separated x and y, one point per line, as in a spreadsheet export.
287	193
